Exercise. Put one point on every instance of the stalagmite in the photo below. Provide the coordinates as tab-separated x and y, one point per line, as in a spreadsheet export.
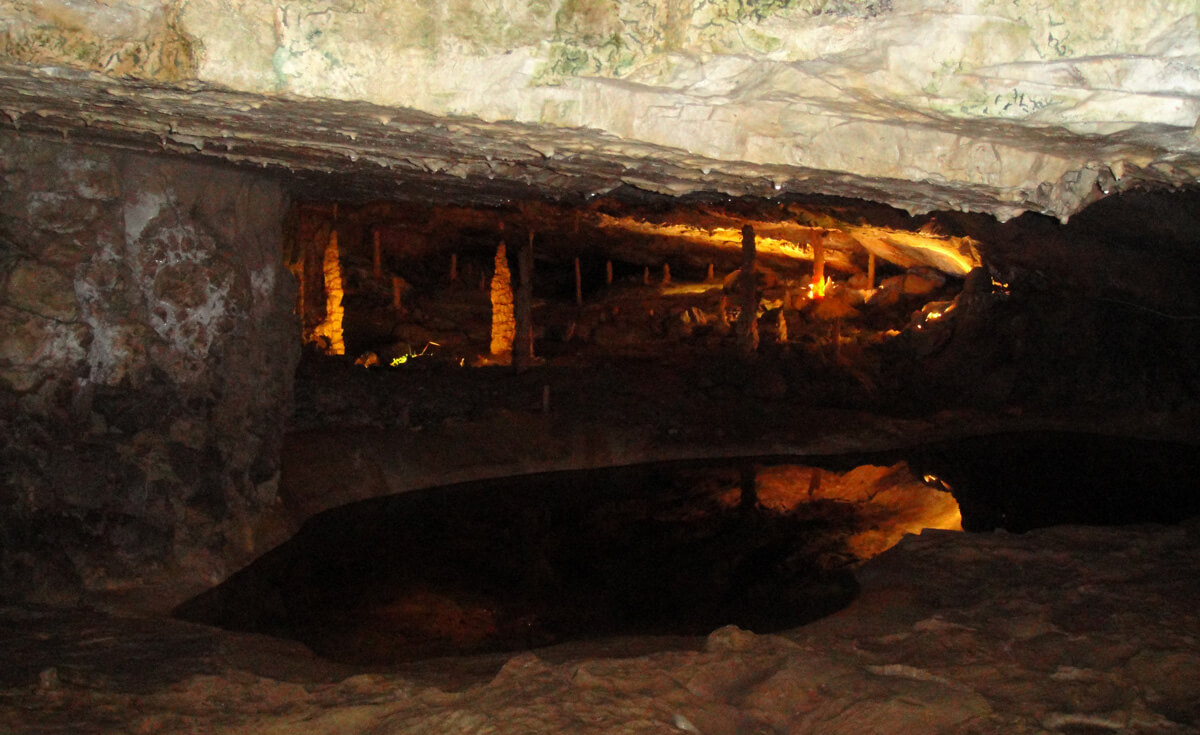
782	324
545	399
331	328
453	267
666	278
746	328
709	277
523	338
722	327
578	284
748	480
378	259
818	278
503	318
397	289
646	276
608	273
870	270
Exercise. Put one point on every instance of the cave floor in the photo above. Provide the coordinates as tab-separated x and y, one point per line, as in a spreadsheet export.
1061	630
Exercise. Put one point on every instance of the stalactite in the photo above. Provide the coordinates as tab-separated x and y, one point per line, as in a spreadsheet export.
503	317
746	329
378	260
578	284
523	338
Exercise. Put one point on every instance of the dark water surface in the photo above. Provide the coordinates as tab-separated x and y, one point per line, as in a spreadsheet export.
1029	480
678	548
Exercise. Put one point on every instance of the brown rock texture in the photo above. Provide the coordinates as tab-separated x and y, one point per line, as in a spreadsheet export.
146	354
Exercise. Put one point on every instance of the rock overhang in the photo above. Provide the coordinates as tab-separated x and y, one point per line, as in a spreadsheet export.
973	106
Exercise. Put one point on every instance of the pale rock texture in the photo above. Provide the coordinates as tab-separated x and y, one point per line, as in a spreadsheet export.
997	105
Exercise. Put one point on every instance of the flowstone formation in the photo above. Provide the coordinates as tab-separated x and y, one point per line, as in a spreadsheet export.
991	105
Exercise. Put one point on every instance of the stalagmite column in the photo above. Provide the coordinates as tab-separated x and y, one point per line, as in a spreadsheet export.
523	339
746	329
666	279
722	327
709	277
578	284
870	270
378	260
748	476
331	327
397	290
818	279
503	318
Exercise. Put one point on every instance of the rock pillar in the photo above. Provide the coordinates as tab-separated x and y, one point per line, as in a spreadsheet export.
746	329
503	315
523	338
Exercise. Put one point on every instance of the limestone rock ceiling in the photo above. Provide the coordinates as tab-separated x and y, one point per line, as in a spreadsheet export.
976	105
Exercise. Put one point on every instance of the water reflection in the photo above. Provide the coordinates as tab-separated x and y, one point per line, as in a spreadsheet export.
532	561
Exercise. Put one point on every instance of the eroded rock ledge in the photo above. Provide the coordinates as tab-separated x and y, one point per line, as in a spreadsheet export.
976	105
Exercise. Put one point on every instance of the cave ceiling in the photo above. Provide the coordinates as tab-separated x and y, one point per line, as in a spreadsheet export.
976	105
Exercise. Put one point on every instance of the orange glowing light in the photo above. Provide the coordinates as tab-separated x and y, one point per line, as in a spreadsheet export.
818	289
331	328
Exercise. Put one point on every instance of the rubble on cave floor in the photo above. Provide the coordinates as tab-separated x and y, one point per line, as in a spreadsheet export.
1061	630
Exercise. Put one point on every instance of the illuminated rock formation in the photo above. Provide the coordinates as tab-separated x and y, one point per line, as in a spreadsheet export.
329	332
504	321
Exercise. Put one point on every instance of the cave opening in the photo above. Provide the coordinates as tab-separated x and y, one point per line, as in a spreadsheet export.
634	311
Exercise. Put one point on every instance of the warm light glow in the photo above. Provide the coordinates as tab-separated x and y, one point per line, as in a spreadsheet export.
398	361
504	320
331	327
721	237
954	255
818	289
791	239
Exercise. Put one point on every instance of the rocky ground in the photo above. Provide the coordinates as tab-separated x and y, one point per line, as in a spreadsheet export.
1062	630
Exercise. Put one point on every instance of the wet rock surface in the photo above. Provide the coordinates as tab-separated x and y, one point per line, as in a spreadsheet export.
1061	630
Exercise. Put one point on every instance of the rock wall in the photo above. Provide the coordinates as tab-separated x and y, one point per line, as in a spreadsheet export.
147	349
